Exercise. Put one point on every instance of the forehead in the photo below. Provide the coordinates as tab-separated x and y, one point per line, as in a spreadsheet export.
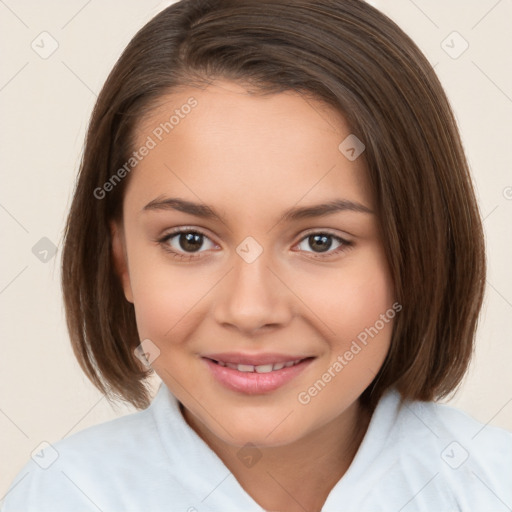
224	145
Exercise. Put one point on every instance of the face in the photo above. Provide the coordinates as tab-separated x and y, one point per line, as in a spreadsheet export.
235	272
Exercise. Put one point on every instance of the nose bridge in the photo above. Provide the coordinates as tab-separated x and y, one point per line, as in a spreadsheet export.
252	296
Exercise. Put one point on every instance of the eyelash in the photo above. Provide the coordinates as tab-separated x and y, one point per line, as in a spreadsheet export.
345	244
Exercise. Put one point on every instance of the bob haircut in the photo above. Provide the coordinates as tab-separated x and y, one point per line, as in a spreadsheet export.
358	61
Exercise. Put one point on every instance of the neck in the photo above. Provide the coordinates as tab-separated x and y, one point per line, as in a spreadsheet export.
298	476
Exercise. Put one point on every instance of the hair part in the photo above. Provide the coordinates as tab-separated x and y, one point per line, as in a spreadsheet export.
356	60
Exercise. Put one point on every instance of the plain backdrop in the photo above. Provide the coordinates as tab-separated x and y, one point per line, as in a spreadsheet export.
56	56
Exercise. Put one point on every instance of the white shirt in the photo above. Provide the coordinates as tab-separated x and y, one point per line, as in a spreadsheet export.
420	457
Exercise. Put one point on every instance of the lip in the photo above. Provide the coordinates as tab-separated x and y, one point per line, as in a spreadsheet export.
253	383
254	359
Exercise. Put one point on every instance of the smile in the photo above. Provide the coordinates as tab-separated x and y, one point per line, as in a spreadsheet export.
263	368
256	379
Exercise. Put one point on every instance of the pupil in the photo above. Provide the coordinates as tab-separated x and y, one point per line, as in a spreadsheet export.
191	241
323	242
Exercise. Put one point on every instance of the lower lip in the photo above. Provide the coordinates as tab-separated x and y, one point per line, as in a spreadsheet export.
253	383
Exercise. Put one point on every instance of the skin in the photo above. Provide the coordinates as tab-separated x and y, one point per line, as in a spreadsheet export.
251	157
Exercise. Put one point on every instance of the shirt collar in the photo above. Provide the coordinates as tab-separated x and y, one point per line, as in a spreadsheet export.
214	484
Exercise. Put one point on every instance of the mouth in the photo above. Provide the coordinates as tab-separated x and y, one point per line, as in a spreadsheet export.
262	368
255	379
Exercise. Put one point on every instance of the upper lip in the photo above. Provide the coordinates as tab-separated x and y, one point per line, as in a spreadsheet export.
254	359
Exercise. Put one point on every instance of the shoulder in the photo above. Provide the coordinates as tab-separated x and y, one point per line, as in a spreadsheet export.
448	458
65	475
468	439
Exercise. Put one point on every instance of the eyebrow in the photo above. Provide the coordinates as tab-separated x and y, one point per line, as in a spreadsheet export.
296	213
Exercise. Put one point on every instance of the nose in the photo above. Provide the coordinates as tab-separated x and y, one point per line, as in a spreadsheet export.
253	297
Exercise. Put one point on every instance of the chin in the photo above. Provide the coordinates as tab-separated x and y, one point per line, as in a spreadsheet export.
263	434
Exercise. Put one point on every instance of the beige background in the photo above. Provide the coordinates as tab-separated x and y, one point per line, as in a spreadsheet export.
45	105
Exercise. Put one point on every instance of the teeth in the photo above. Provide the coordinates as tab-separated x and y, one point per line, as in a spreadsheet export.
262	368
244	367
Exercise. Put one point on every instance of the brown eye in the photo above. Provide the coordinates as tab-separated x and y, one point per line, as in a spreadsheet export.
321	243
190	241
185	242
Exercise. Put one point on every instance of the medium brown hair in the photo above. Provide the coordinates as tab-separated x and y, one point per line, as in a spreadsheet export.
358	61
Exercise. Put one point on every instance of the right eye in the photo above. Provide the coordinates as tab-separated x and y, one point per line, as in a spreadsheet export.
183	243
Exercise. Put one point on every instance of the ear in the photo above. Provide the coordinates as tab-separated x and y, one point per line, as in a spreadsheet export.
120	258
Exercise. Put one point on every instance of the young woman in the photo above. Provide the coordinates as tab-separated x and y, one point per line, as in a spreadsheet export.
274	213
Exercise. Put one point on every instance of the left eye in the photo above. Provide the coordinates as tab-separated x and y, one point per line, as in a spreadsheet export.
323	242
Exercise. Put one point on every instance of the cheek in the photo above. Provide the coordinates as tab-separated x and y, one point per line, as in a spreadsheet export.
164	312
360	314
166	297
355	307
352	298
